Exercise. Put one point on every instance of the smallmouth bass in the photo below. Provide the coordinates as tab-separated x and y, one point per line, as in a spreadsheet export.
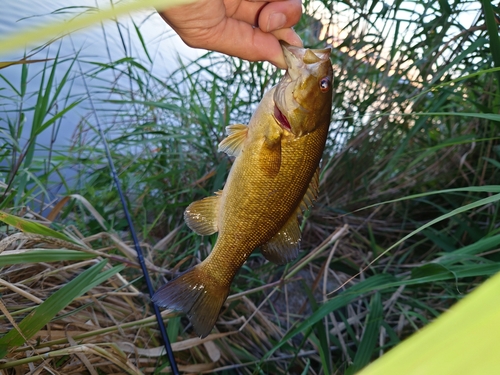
274	178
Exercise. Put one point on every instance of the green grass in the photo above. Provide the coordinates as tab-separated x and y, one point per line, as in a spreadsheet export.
405	226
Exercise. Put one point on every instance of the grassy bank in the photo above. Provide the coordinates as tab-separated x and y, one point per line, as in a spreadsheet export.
406	223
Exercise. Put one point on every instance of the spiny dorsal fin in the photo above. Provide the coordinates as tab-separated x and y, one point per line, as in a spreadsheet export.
201	216
311	193
233	143
284	246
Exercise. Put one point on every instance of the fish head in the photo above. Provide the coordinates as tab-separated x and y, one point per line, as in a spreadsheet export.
303	97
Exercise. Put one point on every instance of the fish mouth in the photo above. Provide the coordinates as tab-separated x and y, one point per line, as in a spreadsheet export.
303	63
300	60
284	103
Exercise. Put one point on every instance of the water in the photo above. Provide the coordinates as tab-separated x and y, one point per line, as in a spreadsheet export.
100	43
18	16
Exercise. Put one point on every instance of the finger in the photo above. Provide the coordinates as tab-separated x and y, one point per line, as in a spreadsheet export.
246	11
238	38
201	15
288	35
280	14
268	16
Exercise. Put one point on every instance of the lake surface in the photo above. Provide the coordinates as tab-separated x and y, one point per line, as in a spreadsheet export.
103	43
100	43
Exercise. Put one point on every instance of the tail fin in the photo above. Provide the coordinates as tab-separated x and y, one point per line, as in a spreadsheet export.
197	295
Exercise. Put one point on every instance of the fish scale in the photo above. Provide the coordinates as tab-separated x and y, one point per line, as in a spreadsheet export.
273	177
259	227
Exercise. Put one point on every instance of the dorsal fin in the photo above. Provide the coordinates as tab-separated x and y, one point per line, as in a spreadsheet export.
201	216
284	246
233	143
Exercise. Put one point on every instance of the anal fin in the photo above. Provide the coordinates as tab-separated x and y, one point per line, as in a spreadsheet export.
196	295
284	246
233	143
201	216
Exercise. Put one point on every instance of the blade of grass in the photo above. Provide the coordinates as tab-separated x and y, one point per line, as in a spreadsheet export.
20	39
34	227
32	323
490	18
46	255
470	206
373	283
369	340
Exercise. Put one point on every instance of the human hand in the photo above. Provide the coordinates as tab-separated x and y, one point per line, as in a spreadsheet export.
247	29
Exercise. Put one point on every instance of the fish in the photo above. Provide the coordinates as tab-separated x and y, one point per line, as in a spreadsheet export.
273	180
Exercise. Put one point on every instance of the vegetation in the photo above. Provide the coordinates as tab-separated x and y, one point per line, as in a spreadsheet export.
406	223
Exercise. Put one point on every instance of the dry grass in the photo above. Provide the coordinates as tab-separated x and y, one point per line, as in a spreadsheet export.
111	329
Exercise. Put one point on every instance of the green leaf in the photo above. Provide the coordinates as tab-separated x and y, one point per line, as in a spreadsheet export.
306	368
467	207
471	189
427	270
493	161
320	339
431	273
98	280
33	227
102	277
381	282
49	255
173	327
484	244
492	27
370	336
141	39
370	284
59	115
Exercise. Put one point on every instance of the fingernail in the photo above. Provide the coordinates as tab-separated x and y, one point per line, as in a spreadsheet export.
276	21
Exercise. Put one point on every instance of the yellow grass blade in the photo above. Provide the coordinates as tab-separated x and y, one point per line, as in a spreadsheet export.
44	33
5	64
464	340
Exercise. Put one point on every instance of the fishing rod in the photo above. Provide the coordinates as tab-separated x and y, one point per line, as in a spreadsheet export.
140	256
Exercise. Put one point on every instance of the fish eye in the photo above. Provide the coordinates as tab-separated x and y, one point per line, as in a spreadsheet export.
324	84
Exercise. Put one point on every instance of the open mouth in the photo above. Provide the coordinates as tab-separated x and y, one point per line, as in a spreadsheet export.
282	120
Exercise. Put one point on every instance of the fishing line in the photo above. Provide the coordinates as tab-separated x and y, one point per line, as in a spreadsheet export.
140	257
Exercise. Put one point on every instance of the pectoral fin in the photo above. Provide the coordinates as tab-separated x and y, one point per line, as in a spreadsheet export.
270	156
284	246
233	143
201	216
